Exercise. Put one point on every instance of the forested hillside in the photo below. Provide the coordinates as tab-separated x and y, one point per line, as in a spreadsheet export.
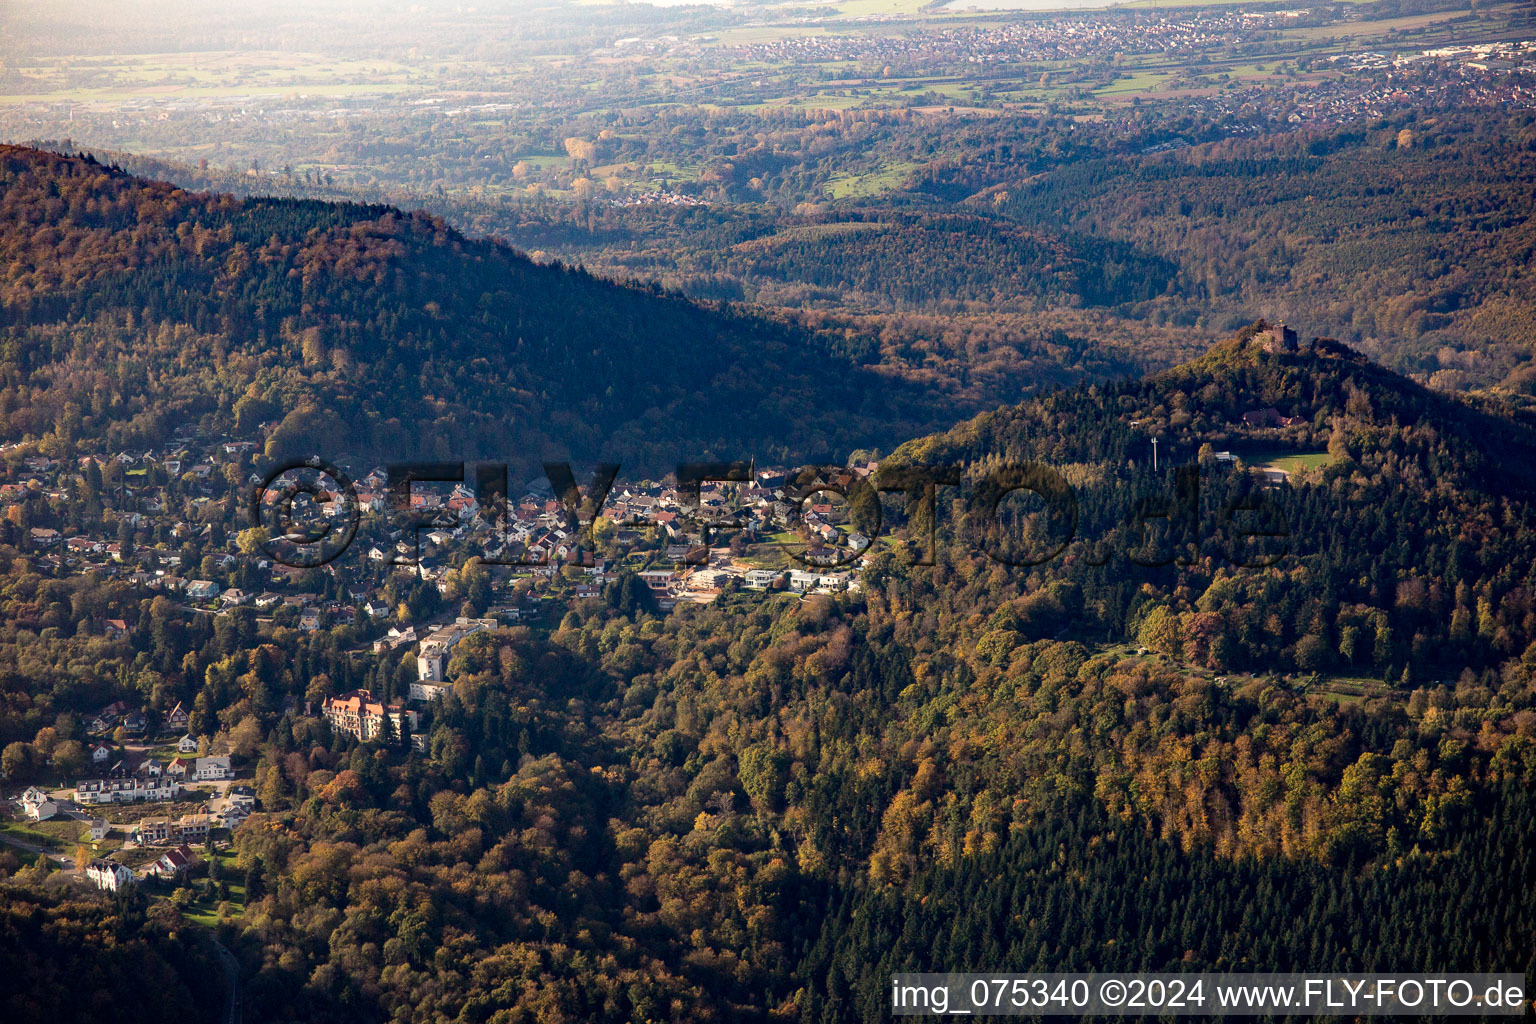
125	960
1054	250
131	307
755	808
1055	898
776	803
904	262
1408	515
1410	237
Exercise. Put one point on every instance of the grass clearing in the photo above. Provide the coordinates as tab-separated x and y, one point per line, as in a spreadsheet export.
1140	81
1342	689
810	232
1288	463
204	908
59	836
862	186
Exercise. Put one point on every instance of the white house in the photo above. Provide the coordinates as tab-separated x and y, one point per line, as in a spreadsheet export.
761	579
171	864
109	875
43	811
212	768
801	581
187	744
125	790
427	691
432	656
38	805
99	829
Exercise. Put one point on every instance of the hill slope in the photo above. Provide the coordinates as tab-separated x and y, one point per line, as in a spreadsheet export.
1320	394
1409	515
131	306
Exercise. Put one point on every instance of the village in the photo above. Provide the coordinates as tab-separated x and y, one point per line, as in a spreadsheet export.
430	565
142	808
152	788
170	521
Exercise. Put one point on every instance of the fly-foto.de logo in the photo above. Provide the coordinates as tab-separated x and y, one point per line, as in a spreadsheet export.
308	512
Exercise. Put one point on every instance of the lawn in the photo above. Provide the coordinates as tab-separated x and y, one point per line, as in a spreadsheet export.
61	836
204	908
773	551
1292	463
861	186
1140	81
1348	689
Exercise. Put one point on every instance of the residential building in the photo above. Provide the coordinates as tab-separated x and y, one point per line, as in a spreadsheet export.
212	768
432	656
801	581
153	831
358	714
39	806
43	811
158	831
193	828
171	864
124	790
658	579
202	590
109	875
427	691
761	579
177	718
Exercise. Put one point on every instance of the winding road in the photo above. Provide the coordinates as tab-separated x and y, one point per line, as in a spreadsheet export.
66	863
232	974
